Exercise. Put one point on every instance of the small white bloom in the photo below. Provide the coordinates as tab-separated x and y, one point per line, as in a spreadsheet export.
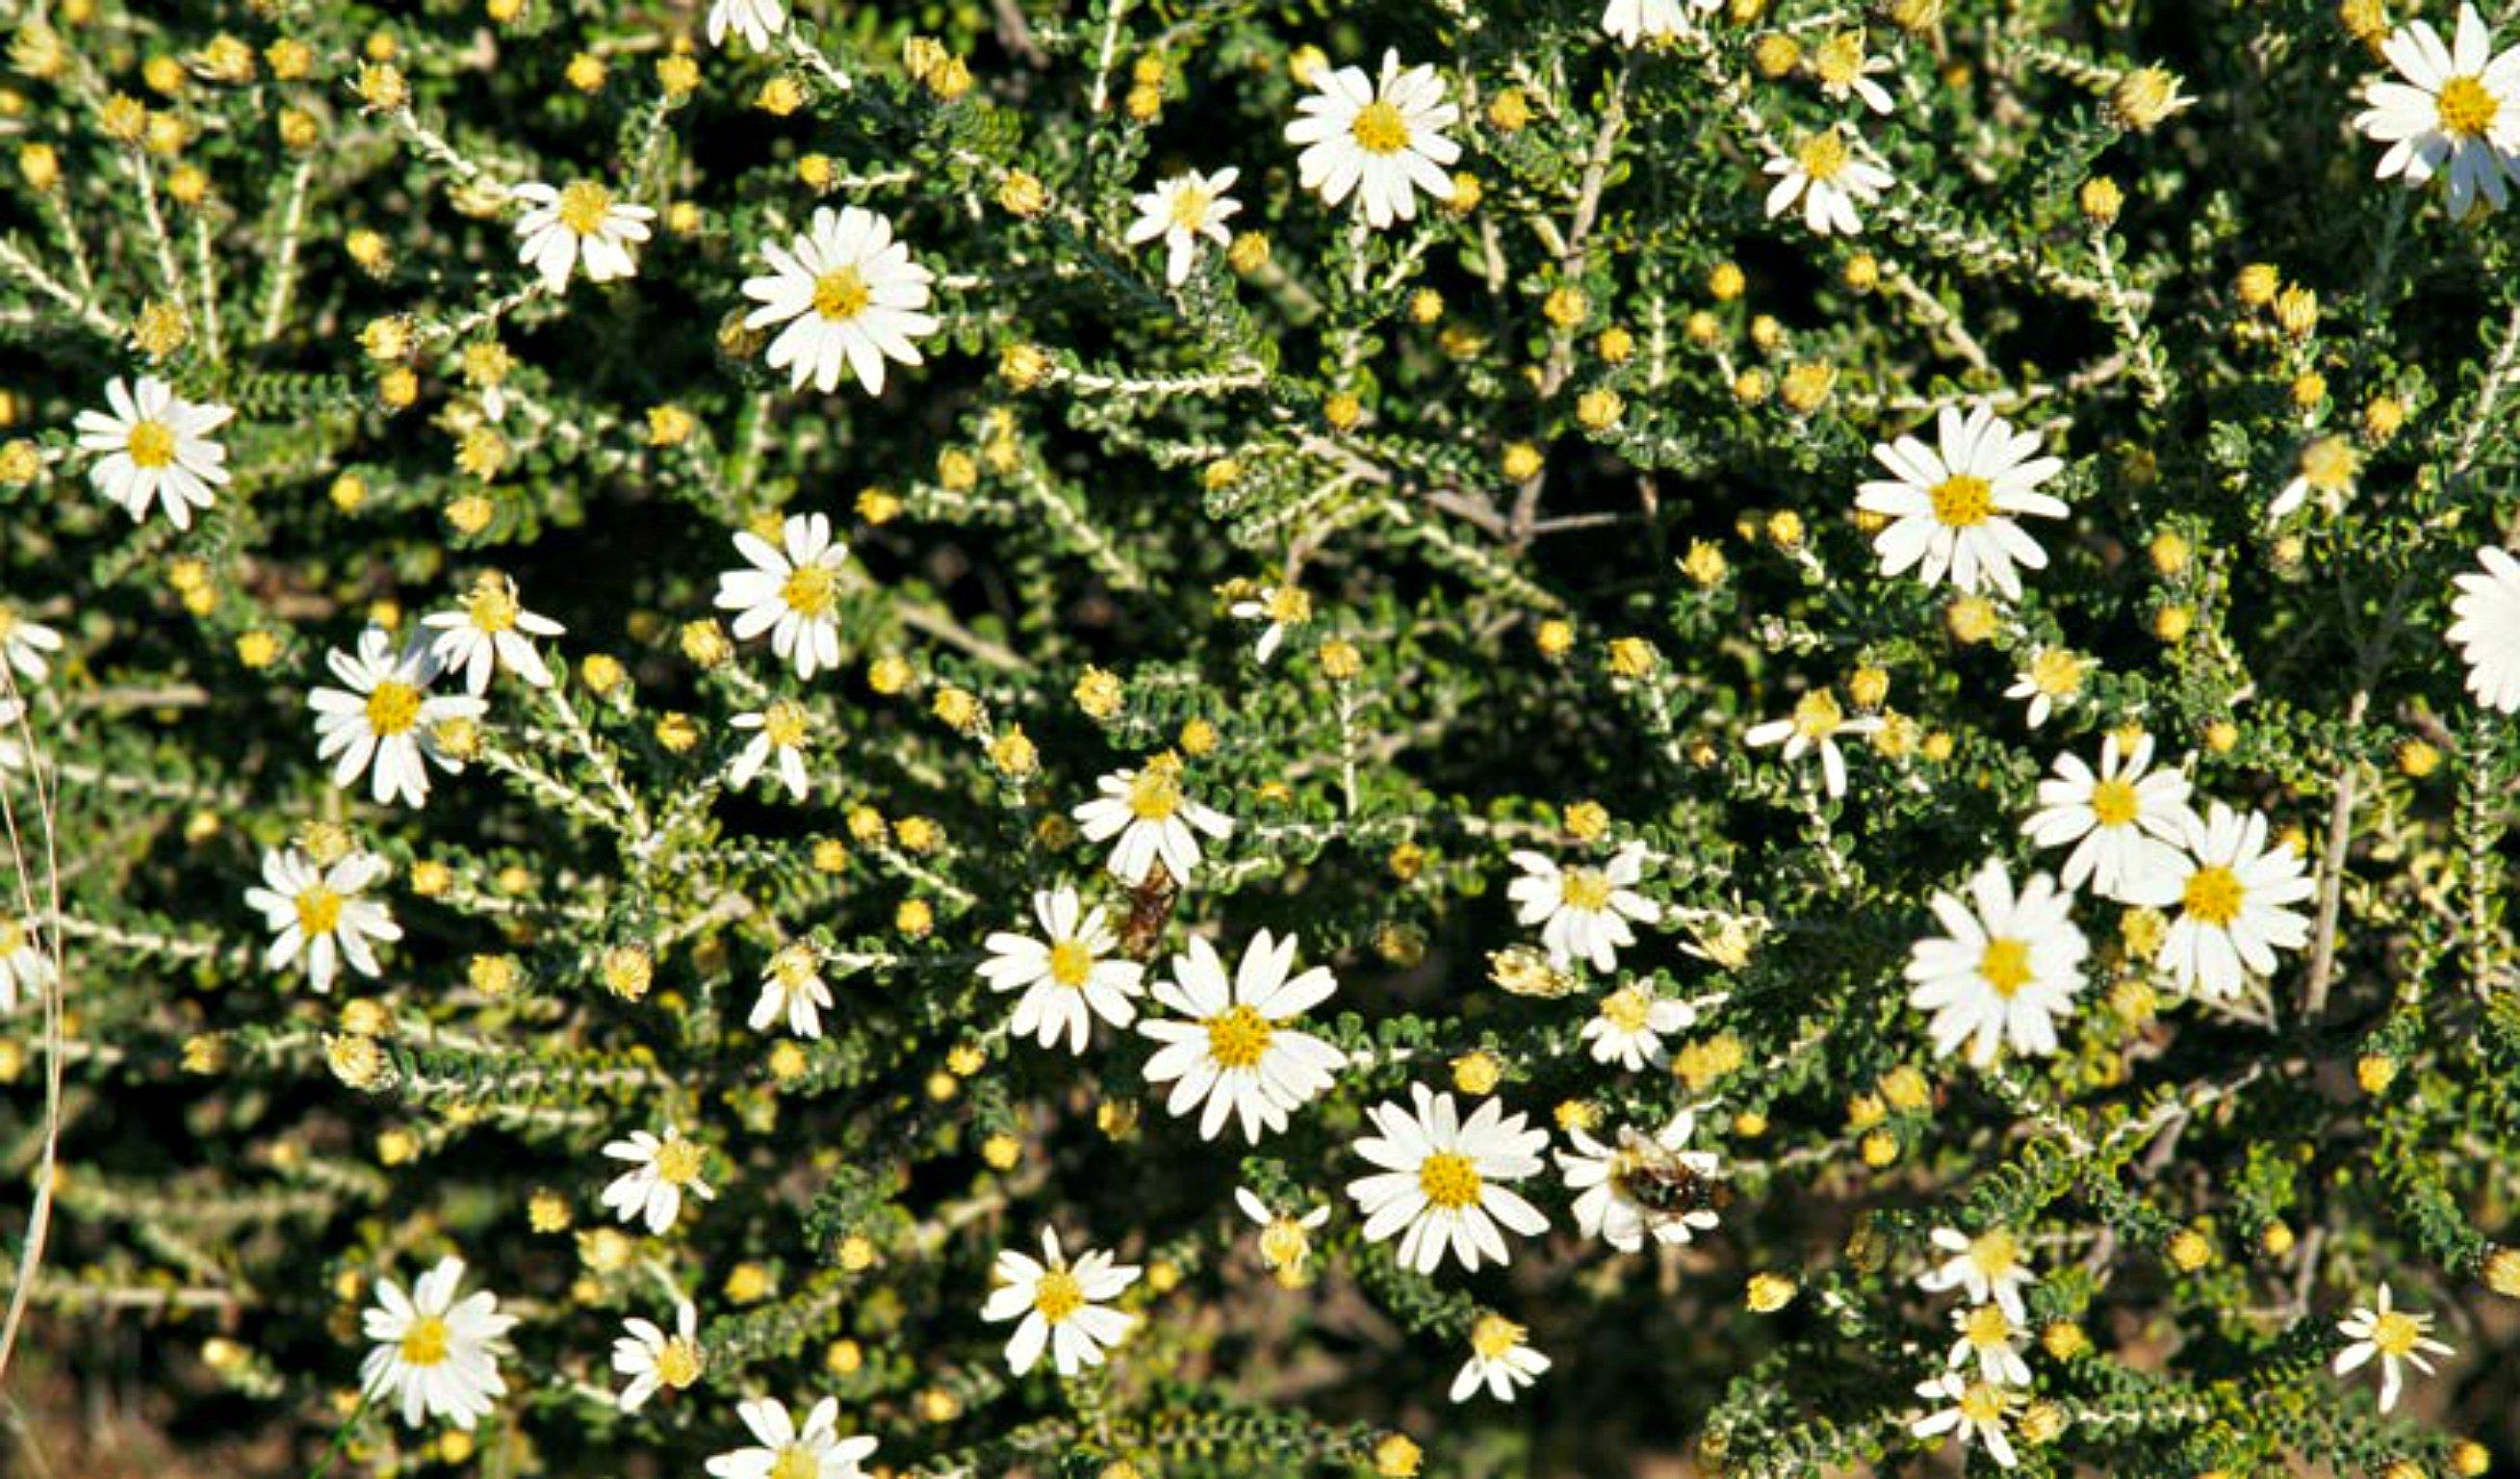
2458	105
1989	1338
491	630
784	731
662	1170
1953	509
1285	1239
784	1451
1068	977
23	641
1632	21
2327	467
652	1358
1988	1268
1815	725
850	298
1975	1411
791	591
1631	1025
156	446
1647	1186
792	988
1831	177
1235	1053
2053	680
1155	822
1846	71
759	22
1063	1307
579	222
25	968
2008	969
2125	825
1383	142
2486	632
1442	1182
1499	1360
2398	1337
318	914
1284	607
1183	211
1583	912
2231	890
436	1355
379	723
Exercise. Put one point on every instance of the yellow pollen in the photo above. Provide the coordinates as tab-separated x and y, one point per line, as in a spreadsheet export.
797	1462
2212	895
2006	966
2329	465
2114	803
492	606
1982	1404
12	938
1238	1037
1816	715
1987	1326
584	206
1070	963
1450	1180
786	725
2057	672
1628	1009
1285	1244
2468	108
393	708
1380	128
1839	59
319	909
793	968
425	1343
1057	1296
810	590
678	1364
1493	1336
678	1162
1154	793
2396	1333
1189	208
1962	501
841	295
1995	1253
150	443
1289	606
1823	156
1584	889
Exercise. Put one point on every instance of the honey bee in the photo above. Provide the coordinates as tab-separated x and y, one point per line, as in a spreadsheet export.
1665	1183
1151	906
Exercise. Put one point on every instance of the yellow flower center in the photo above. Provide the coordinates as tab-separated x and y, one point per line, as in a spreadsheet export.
841	295
1987	1326
1628	1009
786	723
1289	606
2006	966
1995	1253
678	1162
319	909
2212	895
492	606
797	1462
423	1343
1982	1404
1584	889
584	206
1839	59
1823	156
8	622
393	708
1057	1296
2468	108
2396	1333
2057	672
2115	802
1380	128
1963	501
1238	1037
810	590
678	1365
12	938
1450	1180
1189	208
1285	1244
150	443
793	968
1154	793
2329	465
1493	1336
1817	716
1070	963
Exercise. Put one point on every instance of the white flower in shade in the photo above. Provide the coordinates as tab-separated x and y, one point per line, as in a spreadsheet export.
783	732
381	721
1443	1180
2398	1337
1383	142
578	224
2125	825
1831	177
2010	966
317	913
850	298
1063	1307
1990	1339
1068	977
1815	725
2458	106
24	966
792	988
1648	1186
2486	632
786	1451
1236	1053
1632	21
2053	680
156	446
1975	1411
23	642
2327	467
758	21
1583	912
1631	1025
1846	71
662	1171
1988	1268
791	591
1952	507
1154	820
436	1355
1284	607
1285	1239
491	630
654	1360
1183	211
1499	1360
2231	890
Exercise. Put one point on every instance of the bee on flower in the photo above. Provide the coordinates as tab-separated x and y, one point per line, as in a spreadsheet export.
1150	821
1645	1185
1382	141
663	1169
1236	1053
381	721
317	913
574	225
1182	212
490	630
1061	1309
155	445
436	1355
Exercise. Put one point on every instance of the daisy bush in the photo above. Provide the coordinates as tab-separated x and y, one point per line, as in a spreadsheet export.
808	739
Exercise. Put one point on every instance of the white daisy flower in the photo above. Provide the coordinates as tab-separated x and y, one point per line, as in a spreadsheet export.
850	298
1990	1339
652	1358
1953	509
1974	1410
1068	977
792	591
2398	1337
1647	1186
1583	912
1285	1239
1846	71
784	732
379	723
2458	105
2488	630
436	1355
1499	1360
2053	680
1284	607
2008	969
1631	1025
1442	1184
1063	1307
1815	725
758	21
1183	211
786	1451
156	446
579	222
25	968
662	1170
491	630
2326	467
23	641
793	987
1831	177
1988	1268
1154	821
1235	1053
318	914
1631	22
2125	825
2231	890
1382	141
